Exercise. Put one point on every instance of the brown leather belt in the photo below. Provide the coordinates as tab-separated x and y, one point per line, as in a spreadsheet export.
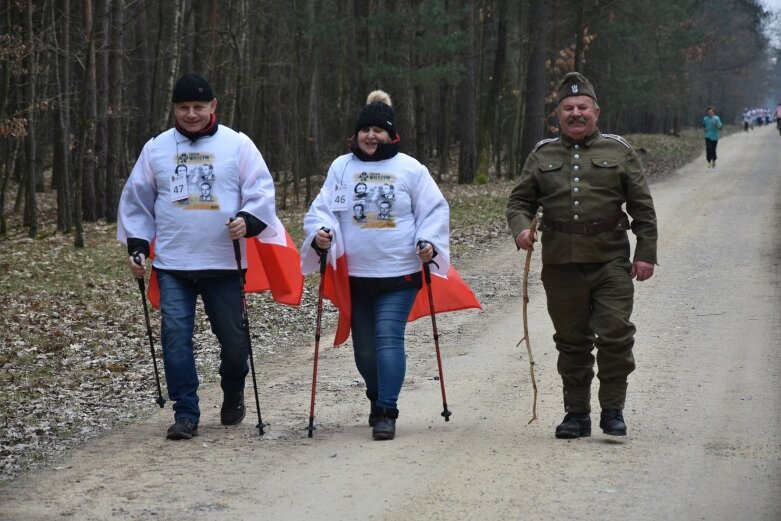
591	228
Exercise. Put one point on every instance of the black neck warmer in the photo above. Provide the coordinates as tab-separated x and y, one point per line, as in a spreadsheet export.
210	130
384	150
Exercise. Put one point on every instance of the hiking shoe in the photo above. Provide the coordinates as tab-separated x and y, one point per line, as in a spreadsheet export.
575	425
612	422
232	410
373	415
384	427
374	412
183	429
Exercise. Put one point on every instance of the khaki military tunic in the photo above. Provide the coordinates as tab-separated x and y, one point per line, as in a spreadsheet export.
586	275
585	183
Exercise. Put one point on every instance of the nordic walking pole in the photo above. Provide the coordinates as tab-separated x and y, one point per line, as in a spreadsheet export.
323	262
142	289
245	319
427	272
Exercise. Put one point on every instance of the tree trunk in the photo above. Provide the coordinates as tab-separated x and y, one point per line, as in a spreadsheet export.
61	169
314	141
144	75
467	100
103	9
31	209
114	164
534	120
170	65
443	137
10	148
488	123
85	164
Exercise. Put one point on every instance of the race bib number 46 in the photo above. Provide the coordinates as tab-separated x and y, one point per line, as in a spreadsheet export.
339	198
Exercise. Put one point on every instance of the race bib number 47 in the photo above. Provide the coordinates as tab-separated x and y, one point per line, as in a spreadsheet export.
178	187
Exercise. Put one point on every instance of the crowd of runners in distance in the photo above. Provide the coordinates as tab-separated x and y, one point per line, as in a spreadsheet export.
761	116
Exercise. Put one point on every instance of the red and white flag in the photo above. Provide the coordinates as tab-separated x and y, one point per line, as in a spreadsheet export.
273	264
449	291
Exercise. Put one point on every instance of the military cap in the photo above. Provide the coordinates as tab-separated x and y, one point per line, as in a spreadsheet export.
575	84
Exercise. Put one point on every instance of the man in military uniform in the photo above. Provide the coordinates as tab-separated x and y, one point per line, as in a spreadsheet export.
583	179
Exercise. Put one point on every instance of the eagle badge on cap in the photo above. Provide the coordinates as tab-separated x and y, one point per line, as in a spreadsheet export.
574	89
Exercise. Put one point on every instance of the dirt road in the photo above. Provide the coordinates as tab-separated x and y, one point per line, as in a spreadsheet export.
704	406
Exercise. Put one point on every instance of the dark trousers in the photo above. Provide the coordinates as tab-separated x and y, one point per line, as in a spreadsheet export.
710	149
590	306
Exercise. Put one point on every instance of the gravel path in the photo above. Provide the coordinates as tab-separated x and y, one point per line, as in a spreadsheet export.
699	406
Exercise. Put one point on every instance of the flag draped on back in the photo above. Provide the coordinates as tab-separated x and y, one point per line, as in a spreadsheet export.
450	292
273	264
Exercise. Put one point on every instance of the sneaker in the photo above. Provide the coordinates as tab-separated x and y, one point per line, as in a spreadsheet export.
232	410
385	424
612	422
183	429
575	425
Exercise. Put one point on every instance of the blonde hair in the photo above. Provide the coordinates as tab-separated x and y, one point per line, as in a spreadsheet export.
379	95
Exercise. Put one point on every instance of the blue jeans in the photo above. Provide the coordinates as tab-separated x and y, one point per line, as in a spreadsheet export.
222	302
379	321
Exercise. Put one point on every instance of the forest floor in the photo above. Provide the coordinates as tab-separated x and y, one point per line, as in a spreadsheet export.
81	437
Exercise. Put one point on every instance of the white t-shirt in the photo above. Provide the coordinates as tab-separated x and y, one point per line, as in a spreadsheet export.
383	209
180	195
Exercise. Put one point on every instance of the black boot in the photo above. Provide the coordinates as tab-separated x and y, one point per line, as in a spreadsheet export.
612	422
385	424
575	425
373	411
232	410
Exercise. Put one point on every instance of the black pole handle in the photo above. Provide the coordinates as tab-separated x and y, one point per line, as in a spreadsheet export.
426	269
137	260
323	262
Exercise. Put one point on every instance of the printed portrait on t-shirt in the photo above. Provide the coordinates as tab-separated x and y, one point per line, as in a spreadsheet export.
201	180
358	215
373	198
360	190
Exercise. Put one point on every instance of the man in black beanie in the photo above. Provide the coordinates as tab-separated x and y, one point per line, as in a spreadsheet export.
582	179
193	235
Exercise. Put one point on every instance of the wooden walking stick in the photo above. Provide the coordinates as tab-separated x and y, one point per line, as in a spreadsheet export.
532	233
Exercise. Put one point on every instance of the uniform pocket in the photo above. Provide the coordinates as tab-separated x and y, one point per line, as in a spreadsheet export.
550	166
604	162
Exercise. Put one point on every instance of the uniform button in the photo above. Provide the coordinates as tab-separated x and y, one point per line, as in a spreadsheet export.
550	165
577	147
577	156
577	203
577	179
576	167
576	217
576	189
604	163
